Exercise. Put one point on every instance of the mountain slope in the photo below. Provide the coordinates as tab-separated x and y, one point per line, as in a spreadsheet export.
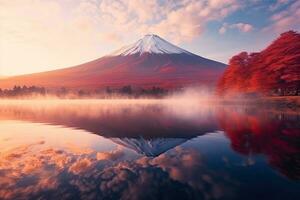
275	70
151	61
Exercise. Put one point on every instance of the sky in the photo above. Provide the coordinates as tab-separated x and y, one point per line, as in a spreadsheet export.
42	35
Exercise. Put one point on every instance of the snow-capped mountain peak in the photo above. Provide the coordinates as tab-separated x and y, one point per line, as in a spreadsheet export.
149	147
150	43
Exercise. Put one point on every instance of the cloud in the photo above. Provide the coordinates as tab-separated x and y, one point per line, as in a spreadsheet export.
242	27
40	170
112	155
81	165
175	20
42	34
34	39
286	19
78	31
222	30
278	4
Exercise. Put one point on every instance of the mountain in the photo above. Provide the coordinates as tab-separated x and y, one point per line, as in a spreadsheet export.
149	147
273	71
151	61
150	44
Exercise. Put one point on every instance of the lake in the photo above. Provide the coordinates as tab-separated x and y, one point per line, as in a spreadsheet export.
147	149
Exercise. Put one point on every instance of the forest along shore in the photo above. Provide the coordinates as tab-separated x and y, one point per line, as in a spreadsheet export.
279	102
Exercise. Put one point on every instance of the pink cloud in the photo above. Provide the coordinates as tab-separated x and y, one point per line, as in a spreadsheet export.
112	156
175	20
81	165
278	4
44	168
286	19
242	27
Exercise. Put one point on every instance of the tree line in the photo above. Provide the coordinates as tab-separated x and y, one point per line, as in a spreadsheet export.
127	90
22	91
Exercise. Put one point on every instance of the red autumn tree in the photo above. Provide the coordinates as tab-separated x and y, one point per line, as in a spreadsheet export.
275	70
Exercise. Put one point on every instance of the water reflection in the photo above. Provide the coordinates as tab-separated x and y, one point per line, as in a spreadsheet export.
275	135
100	150
149	119
59	174
149	147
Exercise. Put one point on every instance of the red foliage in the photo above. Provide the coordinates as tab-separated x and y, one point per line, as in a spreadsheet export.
259	132
273	70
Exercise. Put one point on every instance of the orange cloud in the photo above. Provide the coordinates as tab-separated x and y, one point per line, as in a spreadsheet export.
80	165
113	155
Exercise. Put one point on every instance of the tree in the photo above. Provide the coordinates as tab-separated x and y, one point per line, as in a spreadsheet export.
126	90
108	90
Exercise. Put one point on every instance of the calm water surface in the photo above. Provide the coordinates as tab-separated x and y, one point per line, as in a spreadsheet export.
147	150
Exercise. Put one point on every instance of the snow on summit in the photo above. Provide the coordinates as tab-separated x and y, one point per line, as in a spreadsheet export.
150	44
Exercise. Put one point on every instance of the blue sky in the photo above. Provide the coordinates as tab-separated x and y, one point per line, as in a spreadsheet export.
259	16
40	35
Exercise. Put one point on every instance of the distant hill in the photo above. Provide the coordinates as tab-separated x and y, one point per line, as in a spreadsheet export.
151	61
273	71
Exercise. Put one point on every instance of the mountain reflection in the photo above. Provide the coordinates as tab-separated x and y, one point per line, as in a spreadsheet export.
148	128
164	163
150	120
149	147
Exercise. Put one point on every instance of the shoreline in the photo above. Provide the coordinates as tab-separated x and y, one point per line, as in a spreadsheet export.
292	102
